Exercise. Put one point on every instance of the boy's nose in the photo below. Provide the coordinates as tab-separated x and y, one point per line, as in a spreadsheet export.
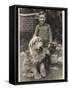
43	19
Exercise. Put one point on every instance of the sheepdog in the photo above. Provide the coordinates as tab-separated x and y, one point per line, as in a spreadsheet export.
40	57
36	59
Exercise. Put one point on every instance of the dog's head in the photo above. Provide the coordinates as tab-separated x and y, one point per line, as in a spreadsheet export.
36	44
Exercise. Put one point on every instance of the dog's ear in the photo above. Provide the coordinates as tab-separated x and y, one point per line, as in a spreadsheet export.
31	43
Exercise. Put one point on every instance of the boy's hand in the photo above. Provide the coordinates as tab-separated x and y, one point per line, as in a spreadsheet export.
49	45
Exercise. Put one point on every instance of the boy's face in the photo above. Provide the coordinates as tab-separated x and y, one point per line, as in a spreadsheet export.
42	19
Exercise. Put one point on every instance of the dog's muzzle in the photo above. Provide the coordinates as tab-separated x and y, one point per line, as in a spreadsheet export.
39	50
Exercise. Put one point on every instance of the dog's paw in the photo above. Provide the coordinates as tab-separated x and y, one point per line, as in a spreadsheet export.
43	74
36	73
38	76
28	75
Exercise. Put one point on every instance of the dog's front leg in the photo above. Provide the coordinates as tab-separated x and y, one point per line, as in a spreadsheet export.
36	73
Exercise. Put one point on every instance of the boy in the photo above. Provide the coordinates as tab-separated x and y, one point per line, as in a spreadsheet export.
43	30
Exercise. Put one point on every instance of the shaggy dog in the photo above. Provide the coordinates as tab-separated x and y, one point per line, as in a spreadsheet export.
40	57
36	60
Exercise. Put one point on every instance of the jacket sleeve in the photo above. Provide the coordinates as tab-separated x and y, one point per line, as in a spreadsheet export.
50	34
36	33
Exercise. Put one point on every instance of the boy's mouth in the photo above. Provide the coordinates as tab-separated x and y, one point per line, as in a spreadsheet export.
42	22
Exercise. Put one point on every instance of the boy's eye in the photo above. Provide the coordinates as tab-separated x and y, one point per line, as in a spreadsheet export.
42	17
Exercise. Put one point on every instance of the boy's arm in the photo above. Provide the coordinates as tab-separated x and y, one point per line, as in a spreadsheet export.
50	33
36	31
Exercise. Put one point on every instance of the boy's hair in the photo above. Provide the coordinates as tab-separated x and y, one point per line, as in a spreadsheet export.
42	13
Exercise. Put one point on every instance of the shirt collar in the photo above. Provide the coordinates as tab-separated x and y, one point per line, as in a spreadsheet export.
42	24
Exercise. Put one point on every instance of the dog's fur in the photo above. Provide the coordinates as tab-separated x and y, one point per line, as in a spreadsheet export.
36	61
39	59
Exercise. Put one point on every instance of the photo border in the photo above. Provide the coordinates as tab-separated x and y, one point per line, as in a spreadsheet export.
16	44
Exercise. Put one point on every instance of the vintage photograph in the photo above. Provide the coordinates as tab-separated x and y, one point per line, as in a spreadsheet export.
41	44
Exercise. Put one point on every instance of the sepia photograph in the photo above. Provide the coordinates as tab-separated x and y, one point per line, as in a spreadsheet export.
41	34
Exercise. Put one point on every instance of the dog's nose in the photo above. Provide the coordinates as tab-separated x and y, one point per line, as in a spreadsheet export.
41	48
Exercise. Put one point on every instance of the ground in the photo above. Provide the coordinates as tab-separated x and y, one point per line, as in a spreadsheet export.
55	72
